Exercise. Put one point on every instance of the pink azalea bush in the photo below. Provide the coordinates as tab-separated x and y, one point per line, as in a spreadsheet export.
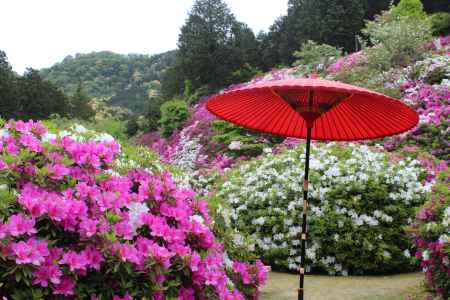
425	88
432	239
345	62
74	229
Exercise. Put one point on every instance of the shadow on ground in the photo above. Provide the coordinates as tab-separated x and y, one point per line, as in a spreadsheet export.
281	286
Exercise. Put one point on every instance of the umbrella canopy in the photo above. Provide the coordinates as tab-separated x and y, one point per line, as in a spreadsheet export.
334	110
313	109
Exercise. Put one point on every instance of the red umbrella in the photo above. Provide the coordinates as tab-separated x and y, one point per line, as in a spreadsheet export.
313	109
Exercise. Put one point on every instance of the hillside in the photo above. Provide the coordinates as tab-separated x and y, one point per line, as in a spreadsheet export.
124	80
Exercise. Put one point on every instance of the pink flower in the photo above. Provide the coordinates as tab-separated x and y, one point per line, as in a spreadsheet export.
126	297
65	287
130	254
47	273
124	229
3	165
30	252
88	227
186	294
75	261
93	258
31	142
18	225
12	149
57	171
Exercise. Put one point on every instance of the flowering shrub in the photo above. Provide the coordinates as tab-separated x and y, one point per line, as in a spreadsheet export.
426	87
432	236
359	202
345	62
71	227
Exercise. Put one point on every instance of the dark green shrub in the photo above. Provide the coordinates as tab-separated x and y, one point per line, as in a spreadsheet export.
173	114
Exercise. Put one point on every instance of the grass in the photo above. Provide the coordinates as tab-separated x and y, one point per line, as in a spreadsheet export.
281	286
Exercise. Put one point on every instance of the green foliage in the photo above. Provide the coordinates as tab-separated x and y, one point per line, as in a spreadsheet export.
212	45
80	106
316	57
124	79
397	41
173	114
368	77
113	127
243	74
240	141
440	23
335	22
409	8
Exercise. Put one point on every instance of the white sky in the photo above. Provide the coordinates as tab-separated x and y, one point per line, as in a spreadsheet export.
39	33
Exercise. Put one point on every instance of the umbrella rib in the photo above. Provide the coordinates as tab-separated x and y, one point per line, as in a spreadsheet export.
381	131
363	128
382	111
283	101
345	116
244	109
280	105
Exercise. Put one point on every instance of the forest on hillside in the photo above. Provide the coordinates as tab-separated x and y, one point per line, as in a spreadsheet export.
123	80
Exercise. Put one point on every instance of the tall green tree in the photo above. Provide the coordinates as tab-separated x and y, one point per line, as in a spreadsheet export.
212	44
8	99
79	104
38	99
332	22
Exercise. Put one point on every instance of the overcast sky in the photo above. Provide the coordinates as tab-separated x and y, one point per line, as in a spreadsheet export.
39	33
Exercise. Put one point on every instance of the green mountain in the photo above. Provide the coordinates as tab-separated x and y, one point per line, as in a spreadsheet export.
123	80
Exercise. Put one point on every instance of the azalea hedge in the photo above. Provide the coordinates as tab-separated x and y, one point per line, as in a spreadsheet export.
71	226
361	198
432	237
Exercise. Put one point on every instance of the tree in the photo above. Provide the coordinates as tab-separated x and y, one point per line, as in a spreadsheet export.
173	114
409	8
8	99
80	106
38	99
332	22
275	46
212	44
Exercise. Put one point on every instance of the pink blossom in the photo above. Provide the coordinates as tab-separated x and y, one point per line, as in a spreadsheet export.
30	252
124	230
31	142
65	287
75	261
126	297
47	273
57	171
18	224
88	227
3	165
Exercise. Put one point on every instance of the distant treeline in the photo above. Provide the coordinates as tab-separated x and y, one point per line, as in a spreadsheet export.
31	97
124	80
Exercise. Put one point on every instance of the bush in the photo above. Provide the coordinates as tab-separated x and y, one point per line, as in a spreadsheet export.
409	8
359	203
440	23
431	232
315	58
70	226
397	41
238	140
173	114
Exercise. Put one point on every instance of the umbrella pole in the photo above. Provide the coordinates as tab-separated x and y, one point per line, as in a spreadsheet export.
305	212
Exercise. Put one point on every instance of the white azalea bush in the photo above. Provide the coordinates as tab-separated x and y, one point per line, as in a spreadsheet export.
360	202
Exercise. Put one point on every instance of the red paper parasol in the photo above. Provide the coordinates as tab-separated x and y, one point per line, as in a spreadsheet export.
313	109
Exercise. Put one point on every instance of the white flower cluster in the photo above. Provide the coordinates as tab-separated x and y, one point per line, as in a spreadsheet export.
188	153
349	190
